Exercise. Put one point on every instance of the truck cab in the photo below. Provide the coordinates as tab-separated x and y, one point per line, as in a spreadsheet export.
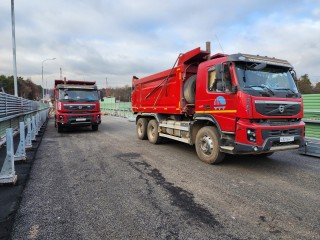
76	104
254	102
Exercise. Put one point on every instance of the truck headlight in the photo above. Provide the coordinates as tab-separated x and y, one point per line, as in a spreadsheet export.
251	135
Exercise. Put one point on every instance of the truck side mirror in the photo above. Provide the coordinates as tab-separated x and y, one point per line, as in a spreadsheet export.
219	71
100	96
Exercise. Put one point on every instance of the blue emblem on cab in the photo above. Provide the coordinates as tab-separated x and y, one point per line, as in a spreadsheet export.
219	103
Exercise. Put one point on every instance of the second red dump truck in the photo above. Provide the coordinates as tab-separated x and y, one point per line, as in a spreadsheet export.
76	104
222	104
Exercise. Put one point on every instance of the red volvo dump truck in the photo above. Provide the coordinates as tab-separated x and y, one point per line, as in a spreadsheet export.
76	104
222	104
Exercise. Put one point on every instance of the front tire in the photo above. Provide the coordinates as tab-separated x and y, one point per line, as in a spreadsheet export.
142	125
60	129
153	133
207	145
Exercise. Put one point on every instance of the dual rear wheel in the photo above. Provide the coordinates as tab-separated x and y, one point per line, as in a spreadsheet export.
148	129
206	143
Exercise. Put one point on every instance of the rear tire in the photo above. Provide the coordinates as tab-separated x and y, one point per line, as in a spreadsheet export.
152	132
141	128
189	89
207	145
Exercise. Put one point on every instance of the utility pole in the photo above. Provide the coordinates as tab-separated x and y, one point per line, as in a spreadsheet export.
107	87
50	59
14	50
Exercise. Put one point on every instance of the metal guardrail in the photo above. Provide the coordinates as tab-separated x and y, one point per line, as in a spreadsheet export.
14	110
7	170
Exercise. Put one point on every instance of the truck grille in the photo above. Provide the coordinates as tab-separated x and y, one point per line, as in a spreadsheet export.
282	132
79	106
274	108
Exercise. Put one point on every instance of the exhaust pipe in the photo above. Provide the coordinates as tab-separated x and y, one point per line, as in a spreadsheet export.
208	49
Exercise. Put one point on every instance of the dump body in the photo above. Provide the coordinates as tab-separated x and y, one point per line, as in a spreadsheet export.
76	104
163	92
235	104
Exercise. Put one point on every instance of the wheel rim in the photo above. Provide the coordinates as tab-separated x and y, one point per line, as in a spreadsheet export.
153	131
206	145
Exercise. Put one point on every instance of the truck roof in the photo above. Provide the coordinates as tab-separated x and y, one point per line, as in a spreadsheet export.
240	57
73	82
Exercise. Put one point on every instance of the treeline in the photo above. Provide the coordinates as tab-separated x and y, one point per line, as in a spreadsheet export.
27	89
122	94
305	86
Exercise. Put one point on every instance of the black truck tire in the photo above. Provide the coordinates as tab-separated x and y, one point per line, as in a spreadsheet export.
95	127
60	128
207	145
152	132
189	89
141	128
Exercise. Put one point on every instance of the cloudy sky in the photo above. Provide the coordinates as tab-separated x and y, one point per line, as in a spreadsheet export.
99	39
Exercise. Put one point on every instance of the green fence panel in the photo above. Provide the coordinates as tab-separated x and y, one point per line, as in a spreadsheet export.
311	106
110	106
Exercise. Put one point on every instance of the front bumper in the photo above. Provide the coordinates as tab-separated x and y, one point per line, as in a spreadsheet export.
271	144
67	120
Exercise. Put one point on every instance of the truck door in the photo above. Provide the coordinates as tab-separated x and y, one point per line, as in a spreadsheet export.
219	97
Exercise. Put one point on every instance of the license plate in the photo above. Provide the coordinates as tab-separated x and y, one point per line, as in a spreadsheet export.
287	139
80	119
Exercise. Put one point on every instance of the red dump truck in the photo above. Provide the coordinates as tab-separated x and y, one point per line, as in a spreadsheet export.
222	104
76	104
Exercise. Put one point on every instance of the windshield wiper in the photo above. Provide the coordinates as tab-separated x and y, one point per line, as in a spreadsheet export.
261	86
288	89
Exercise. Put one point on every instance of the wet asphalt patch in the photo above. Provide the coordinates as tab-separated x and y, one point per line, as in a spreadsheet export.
180	198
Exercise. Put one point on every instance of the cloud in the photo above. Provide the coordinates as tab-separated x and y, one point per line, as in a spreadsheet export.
96	39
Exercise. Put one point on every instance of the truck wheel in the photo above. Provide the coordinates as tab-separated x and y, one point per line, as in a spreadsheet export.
60	129
142	125
207	145
152	132
95	127
189	89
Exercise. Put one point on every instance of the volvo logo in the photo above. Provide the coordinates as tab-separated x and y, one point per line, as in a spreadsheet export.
281	108
80	107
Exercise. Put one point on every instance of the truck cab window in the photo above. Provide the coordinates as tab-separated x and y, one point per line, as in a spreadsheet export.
219	82
211	79
227	85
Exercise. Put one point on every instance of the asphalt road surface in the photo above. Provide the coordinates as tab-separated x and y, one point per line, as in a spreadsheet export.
110	185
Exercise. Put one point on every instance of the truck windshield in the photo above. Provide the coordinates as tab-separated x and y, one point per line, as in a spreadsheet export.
272	81
78	95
